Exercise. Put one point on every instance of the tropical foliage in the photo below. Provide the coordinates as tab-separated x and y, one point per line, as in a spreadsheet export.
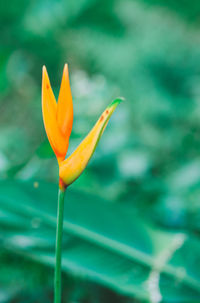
132	219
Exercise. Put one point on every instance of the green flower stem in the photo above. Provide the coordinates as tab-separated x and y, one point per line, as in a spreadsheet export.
59	231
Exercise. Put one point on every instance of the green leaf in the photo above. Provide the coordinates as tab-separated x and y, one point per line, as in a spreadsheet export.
103	242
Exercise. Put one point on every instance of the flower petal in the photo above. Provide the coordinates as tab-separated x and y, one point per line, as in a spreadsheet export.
49	108
65	105
71	168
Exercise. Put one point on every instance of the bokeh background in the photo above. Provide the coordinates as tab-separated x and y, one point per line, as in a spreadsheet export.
132	220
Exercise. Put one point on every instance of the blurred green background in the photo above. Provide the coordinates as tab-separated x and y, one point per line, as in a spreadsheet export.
132	220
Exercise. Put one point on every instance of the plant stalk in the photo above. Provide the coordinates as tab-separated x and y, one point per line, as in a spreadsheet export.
59	232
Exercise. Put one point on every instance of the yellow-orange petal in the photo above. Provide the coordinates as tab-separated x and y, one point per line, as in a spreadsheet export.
65	105
71	168
58	142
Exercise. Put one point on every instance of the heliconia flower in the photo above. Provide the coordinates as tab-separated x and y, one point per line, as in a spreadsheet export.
58	120
58	117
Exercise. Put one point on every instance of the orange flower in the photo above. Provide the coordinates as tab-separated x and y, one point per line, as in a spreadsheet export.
58	117
58	120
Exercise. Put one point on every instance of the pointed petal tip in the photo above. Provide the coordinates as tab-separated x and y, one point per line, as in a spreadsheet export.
45	76
116	101
65	70
44	69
